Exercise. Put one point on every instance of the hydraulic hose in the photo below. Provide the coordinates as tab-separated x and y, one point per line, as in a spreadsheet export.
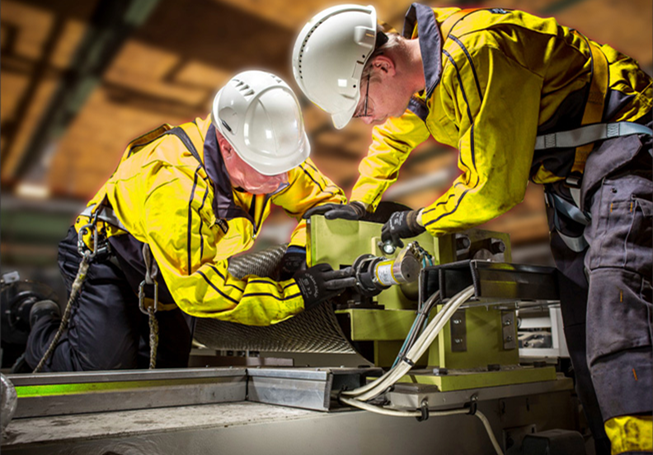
380	385
396	413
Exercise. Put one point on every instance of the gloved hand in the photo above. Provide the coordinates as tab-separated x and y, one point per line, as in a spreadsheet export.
292	261
401	225
352	211
321	282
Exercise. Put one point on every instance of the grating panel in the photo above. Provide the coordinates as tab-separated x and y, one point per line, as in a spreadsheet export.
314	331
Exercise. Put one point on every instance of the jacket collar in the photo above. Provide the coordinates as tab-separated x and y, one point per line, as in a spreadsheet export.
420	22
223	198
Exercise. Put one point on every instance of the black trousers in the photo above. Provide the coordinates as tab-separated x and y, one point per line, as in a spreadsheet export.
606	289
106	329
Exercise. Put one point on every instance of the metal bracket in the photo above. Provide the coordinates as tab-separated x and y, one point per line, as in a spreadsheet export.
458	326
492	281
508	330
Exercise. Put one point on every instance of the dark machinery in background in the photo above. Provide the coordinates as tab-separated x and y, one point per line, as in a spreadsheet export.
16	299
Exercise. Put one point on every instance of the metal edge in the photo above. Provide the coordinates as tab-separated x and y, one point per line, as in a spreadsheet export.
123	375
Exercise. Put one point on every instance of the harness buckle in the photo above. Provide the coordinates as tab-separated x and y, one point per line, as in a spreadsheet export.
574	180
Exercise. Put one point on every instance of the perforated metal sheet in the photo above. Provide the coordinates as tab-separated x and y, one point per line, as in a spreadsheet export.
314	331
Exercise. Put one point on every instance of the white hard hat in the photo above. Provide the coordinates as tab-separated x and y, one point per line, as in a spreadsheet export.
259	115
329	56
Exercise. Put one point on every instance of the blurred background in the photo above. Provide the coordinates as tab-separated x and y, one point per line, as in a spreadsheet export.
79	80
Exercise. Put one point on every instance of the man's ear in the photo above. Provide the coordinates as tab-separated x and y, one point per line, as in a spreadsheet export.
384	65
225	146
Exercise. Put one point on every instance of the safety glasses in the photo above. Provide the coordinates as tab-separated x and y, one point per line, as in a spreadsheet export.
365	109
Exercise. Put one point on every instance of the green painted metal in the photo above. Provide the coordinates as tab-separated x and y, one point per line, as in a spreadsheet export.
484	337
97	387
462	380
484	343
379	325
340	242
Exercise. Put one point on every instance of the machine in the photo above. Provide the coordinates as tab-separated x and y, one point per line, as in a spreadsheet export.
435	321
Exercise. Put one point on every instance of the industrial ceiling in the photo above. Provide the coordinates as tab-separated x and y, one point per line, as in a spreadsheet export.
79	80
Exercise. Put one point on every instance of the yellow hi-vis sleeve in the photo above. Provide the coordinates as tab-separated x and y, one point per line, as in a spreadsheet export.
192	252
392	142
496	112
307	188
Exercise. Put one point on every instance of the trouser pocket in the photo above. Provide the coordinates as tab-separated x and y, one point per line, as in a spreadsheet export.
619	313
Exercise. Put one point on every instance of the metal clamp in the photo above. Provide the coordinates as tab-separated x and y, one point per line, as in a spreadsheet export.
99	248
151	272
424	408
473	404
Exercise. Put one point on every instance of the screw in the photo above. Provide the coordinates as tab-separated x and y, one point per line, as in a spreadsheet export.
457	321
508	338
458	340
507	322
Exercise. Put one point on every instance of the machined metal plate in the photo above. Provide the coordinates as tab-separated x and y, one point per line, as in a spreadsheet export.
48	394
509	330
459	331
411	396
306	388
494	282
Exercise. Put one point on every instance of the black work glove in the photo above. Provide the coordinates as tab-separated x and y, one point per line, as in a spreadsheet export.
352	211
292	261
321	282
401	225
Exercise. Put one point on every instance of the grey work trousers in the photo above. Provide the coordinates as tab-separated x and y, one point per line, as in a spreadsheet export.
606	289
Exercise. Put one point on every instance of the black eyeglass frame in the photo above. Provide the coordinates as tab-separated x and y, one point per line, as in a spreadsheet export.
365	103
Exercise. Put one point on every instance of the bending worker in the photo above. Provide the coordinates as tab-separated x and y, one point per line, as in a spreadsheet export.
183	201
505	88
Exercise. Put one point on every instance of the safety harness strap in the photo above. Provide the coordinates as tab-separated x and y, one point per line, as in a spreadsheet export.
588	134
569	210
595	100
185	139
560	206
106	214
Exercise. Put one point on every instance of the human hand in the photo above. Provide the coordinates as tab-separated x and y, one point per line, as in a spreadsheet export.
321	282
401	225
292	261
352	211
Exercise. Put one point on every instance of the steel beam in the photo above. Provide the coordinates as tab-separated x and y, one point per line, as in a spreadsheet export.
47	394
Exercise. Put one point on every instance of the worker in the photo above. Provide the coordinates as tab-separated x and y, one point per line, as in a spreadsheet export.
506	88
181	202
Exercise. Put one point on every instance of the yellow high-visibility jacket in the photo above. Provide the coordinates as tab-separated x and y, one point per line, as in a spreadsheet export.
194	221
497	81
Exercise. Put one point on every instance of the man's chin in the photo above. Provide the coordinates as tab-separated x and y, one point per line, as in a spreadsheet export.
260	190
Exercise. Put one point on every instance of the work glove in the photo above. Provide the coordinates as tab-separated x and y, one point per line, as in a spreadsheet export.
401	225
292	261
352	211
321	282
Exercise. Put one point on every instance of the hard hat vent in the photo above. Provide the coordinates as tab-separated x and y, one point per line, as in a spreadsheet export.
244	89
303	46
261	118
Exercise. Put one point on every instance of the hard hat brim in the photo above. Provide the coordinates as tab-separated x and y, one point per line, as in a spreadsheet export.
341	119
